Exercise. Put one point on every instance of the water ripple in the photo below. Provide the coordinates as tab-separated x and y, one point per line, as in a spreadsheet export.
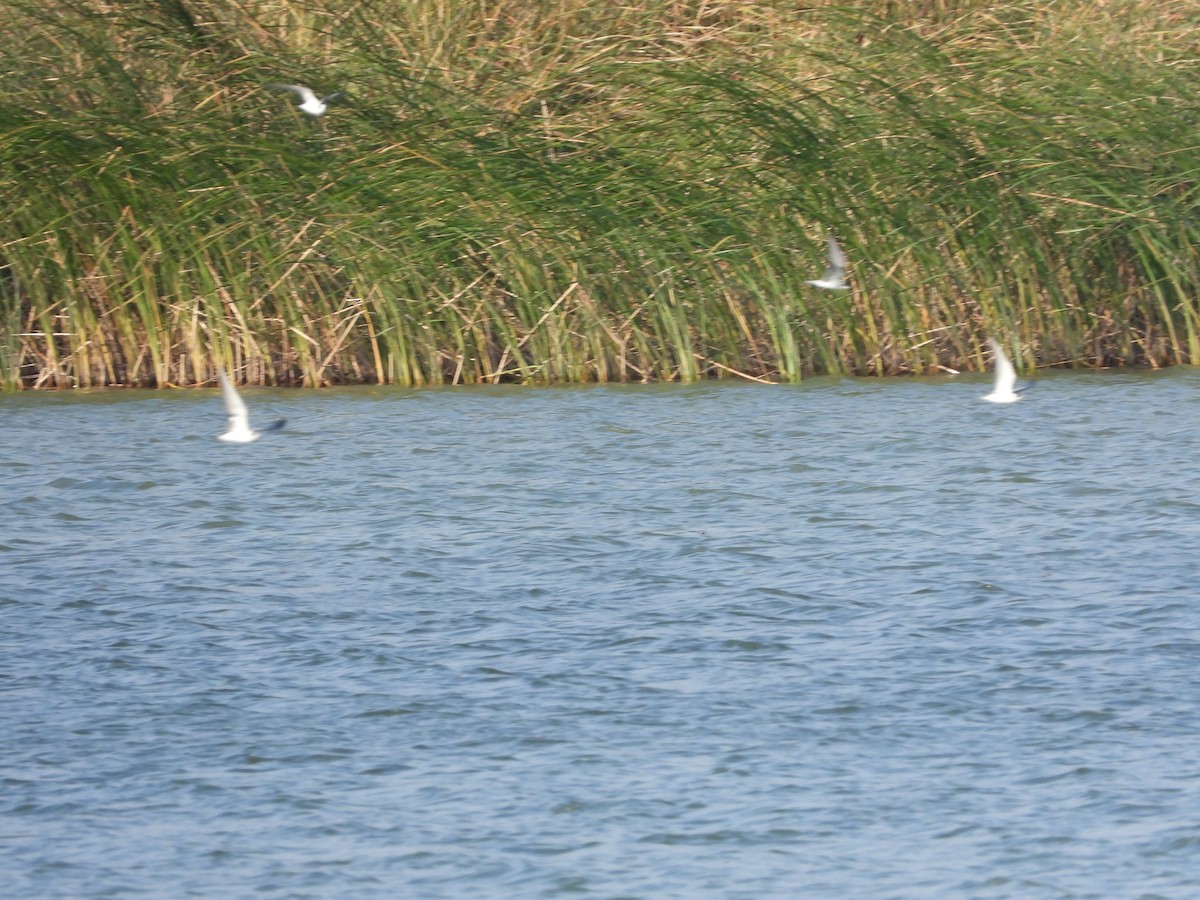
841	639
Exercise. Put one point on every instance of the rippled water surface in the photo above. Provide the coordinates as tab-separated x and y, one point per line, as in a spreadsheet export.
843	639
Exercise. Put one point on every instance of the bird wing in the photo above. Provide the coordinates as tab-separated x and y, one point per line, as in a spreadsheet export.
837	261
299	90
1006	375
239	416
336	95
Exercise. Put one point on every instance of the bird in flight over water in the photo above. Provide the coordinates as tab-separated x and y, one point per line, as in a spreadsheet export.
1004	388
240	431
834	278
309	102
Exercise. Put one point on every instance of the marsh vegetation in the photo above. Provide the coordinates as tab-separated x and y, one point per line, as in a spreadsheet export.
567	190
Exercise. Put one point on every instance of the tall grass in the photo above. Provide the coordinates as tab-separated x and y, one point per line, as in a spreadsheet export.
568	190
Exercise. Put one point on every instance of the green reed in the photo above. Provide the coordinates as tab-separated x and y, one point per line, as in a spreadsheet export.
572	191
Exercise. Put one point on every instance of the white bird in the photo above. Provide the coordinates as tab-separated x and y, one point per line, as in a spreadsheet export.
310	102
1004	390
239	431
834	278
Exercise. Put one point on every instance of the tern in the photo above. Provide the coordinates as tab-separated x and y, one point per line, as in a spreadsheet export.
1004	390
310	102
834	278
239	431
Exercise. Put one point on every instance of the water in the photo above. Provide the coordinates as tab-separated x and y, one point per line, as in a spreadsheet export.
849	638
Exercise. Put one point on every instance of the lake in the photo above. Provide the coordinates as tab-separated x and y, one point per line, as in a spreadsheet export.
850	638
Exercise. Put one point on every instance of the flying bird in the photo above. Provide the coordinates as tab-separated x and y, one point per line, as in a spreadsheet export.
309	102
834	278
240	431
1004	389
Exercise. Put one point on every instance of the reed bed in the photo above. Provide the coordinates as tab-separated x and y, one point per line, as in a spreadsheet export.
567	190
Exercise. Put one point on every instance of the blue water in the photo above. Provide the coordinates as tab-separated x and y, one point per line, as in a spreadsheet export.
843	639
